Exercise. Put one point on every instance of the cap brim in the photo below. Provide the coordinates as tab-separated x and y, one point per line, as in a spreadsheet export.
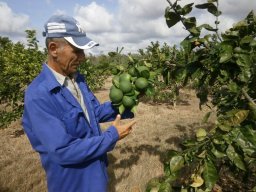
81	42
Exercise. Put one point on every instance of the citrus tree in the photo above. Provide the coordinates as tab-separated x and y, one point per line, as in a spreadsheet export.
222	70
19	65
166	62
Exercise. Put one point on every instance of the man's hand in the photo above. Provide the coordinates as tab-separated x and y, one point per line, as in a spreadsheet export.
123	130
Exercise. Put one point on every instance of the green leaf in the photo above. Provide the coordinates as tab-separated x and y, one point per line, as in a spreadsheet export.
115	81
165	187
247	147
206	117
112	54
189	143
233	87
210	7
189	22
121	109
208	27
176	163
194	31
197	181
171	17
246	40
238	117
180	74
203	6
225	57
235	157
149	91
134	109
224	127
240	24
234	117
130	58
245	74
211	1
230	35
210	174
214	10
250	134
253	43
201	132
186	45
227	50
243	60
217	153
186	9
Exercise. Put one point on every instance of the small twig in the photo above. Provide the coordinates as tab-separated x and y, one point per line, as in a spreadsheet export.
169	2
248	98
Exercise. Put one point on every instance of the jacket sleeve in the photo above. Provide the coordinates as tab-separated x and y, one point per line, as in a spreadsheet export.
40	118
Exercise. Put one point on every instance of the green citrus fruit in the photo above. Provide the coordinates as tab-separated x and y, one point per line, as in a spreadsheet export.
125	86
125	77
115	95
128	102
142	68
144	71
115	71
133	72
115	80
141	83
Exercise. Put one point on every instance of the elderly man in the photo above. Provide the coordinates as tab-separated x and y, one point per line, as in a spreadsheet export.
61	115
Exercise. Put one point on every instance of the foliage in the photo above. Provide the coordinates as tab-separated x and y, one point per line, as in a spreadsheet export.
164	64
221	67
95	73
167	63
19	65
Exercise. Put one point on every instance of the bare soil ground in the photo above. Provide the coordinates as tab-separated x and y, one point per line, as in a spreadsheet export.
135	160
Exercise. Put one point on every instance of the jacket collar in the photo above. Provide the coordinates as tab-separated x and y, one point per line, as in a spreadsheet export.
52	84
51	81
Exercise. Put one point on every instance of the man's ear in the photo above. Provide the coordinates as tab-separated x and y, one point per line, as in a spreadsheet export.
53	49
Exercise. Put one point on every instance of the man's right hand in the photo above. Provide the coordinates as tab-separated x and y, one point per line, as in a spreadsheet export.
123	130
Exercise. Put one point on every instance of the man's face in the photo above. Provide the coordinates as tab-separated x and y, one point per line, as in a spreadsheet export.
68	58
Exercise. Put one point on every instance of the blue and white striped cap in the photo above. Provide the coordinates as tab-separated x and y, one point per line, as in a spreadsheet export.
68	28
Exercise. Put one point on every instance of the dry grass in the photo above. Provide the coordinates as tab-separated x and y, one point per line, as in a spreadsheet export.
134	161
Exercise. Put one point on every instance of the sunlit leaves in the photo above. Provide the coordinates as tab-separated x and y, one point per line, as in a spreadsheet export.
197	181
201	134
210	174
232	118
226	51
235	157
176	163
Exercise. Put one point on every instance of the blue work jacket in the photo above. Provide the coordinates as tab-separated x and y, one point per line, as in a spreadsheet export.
73	151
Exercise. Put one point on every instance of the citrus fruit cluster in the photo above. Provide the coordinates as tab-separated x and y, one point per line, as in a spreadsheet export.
128	86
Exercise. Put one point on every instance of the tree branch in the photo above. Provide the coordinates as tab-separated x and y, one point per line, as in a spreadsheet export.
248	97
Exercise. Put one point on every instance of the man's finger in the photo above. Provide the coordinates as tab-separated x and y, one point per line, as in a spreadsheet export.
130	124
117	120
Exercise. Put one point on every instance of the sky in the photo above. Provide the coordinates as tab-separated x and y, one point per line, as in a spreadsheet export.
132	24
